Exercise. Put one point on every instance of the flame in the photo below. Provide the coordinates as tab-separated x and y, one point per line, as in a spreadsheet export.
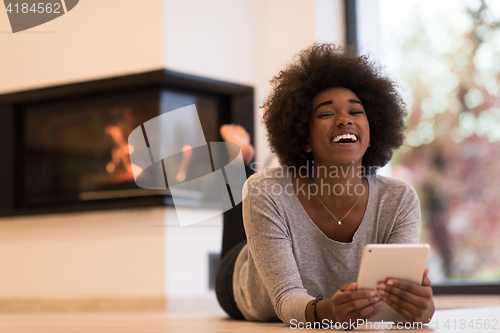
110	167
187	151
120	164
136	169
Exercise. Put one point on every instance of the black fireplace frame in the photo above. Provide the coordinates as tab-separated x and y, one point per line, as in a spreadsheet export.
239	101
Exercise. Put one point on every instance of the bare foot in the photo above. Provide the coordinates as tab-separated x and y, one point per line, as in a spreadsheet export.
238	135
187	151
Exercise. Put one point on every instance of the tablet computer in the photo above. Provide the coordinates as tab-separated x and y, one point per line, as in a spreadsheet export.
383	261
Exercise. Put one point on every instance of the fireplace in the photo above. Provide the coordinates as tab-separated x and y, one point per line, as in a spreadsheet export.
65	147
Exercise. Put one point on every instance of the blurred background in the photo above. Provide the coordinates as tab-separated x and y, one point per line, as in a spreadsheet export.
443	54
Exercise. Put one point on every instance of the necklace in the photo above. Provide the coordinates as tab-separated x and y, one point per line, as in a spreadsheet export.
339	221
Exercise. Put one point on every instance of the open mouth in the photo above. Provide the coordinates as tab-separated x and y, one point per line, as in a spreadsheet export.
345	138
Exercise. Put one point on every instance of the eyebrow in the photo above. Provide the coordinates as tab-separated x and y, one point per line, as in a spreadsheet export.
331	102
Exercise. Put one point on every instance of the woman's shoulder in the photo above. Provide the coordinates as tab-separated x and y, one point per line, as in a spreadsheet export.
387	186
268	181
273	175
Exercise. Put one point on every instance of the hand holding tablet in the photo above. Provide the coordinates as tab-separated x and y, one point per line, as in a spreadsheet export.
396	273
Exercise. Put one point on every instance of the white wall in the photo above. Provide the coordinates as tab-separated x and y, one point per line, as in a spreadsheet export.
75	255
186	254
120	253
95	39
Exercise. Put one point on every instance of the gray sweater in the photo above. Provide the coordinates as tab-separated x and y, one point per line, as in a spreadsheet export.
288	260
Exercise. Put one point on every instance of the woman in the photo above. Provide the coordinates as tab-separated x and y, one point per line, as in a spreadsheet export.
333	120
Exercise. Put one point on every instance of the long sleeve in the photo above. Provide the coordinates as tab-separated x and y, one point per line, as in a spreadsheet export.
269	243
408	221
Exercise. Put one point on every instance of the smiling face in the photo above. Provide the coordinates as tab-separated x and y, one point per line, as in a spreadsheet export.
339	129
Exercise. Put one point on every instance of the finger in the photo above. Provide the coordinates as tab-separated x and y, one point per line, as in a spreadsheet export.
359	304
408	315
425	280
411	305
405	303
426	272
418	295
346	286
407	287
349	296
353	286
370	311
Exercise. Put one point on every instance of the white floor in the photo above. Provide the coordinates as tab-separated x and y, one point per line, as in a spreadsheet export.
204	315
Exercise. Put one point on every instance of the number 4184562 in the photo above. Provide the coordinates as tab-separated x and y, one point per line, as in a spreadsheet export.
37	8
472	324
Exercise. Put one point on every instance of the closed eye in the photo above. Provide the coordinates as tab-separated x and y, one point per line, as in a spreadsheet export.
325	115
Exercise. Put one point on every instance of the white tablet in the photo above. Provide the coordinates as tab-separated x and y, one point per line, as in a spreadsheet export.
383	261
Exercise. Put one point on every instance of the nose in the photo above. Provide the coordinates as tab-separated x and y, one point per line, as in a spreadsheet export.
343	121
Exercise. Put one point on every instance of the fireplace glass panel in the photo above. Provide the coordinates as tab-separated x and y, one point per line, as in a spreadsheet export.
79	146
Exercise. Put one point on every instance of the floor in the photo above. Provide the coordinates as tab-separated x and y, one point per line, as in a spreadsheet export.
204	315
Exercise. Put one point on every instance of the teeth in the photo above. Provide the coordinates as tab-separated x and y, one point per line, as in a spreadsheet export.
345	136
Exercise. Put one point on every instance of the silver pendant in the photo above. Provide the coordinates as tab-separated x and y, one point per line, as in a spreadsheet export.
340	223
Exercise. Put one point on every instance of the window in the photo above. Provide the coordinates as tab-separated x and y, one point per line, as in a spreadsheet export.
445	56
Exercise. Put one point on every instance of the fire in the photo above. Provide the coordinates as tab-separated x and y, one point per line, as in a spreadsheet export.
119	166
187	151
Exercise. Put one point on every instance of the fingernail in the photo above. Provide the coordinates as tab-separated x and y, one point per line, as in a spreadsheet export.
390	282
380	303
381	286
381	292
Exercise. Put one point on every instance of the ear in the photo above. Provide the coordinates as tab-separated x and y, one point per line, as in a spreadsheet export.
308	148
